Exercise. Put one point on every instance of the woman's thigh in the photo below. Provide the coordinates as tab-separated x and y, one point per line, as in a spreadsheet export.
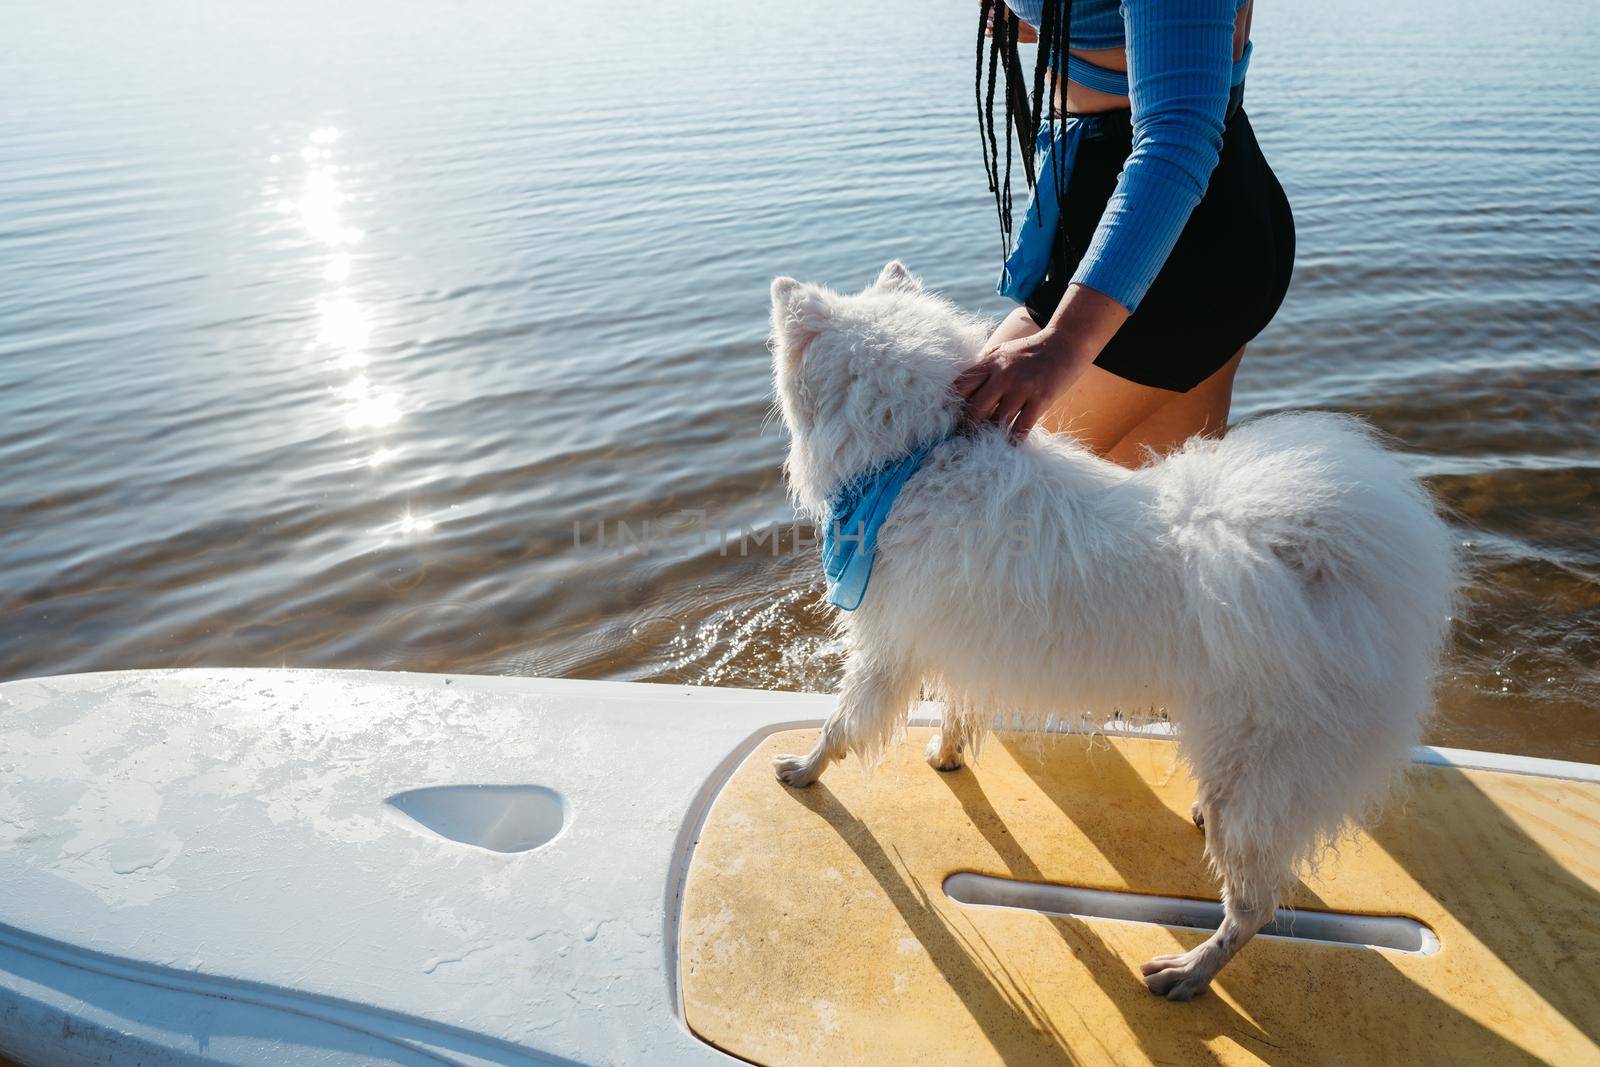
1101	409
1203	411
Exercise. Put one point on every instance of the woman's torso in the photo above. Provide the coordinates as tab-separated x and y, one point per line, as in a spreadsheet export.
1097	25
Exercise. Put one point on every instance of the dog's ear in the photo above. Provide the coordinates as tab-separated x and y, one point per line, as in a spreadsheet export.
799	311
896	275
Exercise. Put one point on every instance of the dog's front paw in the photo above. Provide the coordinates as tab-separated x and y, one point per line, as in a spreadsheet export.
941	758
1197	816
1183	976
796	771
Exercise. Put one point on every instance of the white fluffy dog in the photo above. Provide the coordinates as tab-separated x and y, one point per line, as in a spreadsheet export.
1283	592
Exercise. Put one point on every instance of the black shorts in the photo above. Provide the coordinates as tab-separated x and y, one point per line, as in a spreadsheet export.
1226	276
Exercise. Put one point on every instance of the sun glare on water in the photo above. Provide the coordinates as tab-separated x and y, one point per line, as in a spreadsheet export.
344	324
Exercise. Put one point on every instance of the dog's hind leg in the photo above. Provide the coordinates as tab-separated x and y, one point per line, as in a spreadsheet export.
945	747
873	701
1205	801
1250	880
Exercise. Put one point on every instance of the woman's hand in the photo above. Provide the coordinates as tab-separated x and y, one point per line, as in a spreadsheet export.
1017	378
1016	381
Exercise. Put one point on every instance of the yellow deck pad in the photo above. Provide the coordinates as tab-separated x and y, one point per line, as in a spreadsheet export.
815	926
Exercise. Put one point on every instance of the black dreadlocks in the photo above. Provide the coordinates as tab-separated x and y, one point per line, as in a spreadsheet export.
998	26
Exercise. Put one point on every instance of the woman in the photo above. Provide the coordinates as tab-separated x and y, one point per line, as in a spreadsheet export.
1158	242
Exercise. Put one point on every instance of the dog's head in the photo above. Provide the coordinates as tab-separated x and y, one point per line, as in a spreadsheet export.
863	377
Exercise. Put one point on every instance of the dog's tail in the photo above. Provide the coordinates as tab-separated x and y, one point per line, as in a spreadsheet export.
1314	556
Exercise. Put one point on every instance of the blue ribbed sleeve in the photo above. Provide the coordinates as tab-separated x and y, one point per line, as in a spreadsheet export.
1180	65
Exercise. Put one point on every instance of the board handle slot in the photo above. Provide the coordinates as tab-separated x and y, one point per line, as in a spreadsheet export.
1397	933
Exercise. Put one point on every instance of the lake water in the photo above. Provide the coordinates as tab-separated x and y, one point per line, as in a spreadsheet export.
335	334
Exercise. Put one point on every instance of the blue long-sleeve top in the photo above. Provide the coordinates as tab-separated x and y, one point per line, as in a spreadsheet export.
1180	71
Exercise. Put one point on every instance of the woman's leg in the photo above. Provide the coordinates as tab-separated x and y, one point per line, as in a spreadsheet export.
1203	410
1102	410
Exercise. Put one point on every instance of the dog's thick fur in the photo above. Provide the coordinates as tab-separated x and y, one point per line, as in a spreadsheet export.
1283	592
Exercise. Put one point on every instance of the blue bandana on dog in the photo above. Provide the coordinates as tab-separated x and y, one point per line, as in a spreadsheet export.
855	514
